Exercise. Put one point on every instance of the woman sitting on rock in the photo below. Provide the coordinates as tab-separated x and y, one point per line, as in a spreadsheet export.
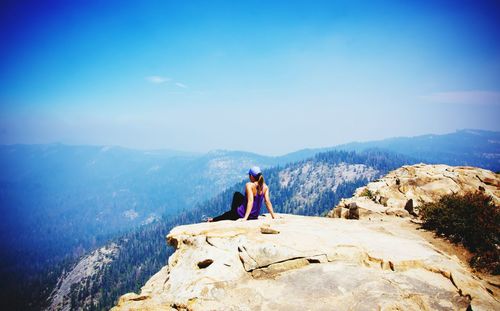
248	206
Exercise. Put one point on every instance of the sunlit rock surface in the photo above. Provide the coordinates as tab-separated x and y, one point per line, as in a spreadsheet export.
400	192
308	263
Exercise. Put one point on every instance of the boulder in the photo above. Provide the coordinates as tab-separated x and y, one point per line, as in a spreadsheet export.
353	211
409	207
268	230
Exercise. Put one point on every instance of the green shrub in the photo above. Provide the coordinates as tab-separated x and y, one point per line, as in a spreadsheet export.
367	193
471	219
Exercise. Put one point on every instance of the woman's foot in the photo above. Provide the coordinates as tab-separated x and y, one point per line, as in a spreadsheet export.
205	218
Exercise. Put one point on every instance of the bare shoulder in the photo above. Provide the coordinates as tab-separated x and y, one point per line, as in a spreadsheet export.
266	187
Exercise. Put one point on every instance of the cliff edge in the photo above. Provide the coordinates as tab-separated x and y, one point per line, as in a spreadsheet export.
312	263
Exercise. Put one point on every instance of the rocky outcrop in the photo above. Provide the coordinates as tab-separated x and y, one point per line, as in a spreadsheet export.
308	263
89	267
400	192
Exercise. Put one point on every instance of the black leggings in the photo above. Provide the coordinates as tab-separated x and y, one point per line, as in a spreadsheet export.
238	199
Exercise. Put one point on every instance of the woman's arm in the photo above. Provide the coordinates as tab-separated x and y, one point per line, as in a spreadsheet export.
268	203
249	200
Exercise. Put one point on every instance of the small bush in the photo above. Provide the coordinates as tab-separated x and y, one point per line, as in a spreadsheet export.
367	193
471	219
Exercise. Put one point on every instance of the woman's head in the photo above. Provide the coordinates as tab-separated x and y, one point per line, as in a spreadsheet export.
255	175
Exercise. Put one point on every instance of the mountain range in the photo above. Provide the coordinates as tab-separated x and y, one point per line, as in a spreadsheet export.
471	147
60	203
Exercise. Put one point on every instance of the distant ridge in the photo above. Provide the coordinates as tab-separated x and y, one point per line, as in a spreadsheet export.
474	147
471	147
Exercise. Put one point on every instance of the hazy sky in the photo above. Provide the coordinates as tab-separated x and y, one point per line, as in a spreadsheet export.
262	76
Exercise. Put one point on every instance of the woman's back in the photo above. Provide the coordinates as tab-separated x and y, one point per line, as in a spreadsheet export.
258	198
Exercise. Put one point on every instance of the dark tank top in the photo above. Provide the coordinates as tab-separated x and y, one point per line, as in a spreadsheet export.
257	203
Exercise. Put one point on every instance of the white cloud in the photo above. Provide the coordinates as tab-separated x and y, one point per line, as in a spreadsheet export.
464	97
157	79
181	85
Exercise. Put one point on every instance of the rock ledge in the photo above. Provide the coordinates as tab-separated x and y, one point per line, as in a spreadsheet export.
313	263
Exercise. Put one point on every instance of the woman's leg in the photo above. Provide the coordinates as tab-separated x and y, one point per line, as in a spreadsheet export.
238	199
231	215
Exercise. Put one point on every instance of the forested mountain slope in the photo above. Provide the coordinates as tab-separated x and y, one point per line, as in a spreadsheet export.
308	187
58	201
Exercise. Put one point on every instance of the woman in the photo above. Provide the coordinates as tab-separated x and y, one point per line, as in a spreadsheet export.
248	206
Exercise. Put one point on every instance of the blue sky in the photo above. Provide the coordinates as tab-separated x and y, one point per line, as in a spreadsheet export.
262	76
